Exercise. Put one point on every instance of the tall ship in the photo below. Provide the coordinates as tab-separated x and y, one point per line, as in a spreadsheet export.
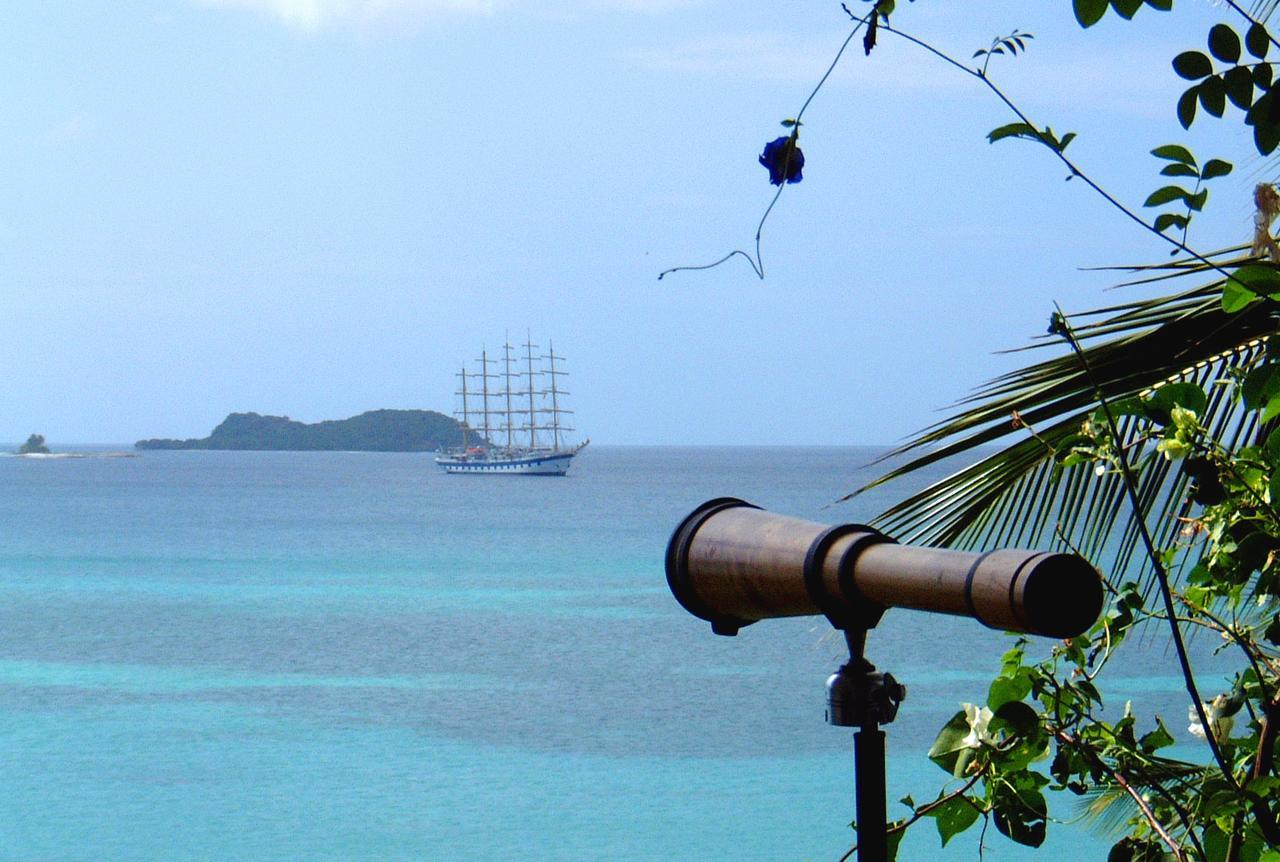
512	416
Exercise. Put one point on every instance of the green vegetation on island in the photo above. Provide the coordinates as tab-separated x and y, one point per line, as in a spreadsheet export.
373	431
34	446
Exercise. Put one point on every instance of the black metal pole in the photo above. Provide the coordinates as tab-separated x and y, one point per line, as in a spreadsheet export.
869	775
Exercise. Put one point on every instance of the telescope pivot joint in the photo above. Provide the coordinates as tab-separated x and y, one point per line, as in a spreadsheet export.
860	696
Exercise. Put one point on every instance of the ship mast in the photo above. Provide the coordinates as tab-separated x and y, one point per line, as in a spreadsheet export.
533	421
484	376
466	417
506	389
554	392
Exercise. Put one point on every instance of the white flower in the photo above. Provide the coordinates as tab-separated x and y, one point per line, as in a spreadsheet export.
978	717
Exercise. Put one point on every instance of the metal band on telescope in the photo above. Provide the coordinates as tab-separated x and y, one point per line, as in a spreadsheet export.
1018	610
678	565
968	589
855	611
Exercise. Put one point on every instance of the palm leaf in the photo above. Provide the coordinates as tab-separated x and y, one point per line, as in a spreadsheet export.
1018	494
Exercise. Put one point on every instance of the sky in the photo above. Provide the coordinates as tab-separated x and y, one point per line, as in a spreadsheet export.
314	208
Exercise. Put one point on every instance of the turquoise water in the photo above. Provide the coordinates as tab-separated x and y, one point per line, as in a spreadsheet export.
348	656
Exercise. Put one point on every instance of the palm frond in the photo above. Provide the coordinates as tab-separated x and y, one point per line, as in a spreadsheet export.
1019	494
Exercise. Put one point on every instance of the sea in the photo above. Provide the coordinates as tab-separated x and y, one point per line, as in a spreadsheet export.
351	656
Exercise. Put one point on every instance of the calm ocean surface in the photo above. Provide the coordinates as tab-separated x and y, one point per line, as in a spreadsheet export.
349	656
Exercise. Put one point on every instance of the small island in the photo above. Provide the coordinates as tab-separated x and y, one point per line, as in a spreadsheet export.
372	431
35	445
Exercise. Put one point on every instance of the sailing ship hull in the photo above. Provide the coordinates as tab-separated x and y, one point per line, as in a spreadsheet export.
527	464
533	448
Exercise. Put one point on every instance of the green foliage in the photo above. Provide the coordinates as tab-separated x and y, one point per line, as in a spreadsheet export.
1159	428
35	445
1090	12
1011	45
373	431
1246	79
1181	163
1031	133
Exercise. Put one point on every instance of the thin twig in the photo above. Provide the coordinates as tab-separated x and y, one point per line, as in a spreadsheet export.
923	811
1071	166
1143	806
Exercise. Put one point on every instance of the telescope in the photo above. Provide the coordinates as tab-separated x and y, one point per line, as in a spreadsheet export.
733	564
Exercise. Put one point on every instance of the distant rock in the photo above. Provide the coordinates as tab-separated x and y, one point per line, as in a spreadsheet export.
374	431
34	446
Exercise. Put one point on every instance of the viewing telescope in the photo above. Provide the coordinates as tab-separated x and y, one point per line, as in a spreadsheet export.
733	564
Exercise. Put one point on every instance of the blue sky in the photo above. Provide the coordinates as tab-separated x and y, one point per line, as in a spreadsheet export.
318	207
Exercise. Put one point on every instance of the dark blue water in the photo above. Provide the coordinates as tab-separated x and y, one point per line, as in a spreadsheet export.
348	656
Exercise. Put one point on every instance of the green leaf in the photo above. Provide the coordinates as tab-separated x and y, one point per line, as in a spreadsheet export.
1174	153
892	840
1015	716
1013	130
1262	75
1156	739
1164	221
1263	116
1272	449
1213	95
946	749
953	817
1021	816
1162	5
1239	84
1260	386
1196	202
1224	43
1006	689
1186	395
1177	169
1192	65
1126	9
1236	296
1162	196
1257	41
1089	12
1261	279
1187	106
1215	168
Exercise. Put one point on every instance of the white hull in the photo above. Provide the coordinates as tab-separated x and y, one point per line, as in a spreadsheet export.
545	463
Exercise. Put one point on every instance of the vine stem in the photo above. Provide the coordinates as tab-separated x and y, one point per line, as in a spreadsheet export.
1071	166
757	262
1162	575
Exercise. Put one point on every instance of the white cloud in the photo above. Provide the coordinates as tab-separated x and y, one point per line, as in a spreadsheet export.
313	15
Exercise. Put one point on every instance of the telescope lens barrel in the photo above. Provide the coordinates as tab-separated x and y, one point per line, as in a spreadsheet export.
732	564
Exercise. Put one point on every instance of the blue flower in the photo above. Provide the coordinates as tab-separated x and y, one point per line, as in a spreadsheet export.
783	159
